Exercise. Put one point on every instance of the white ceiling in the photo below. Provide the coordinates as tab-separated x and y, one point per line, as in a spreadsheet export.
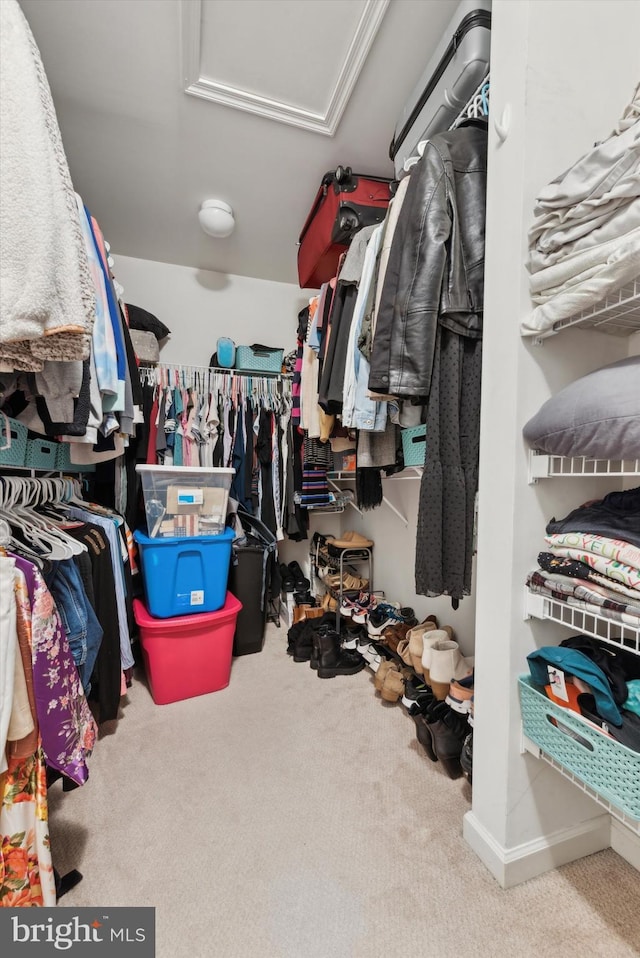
144	153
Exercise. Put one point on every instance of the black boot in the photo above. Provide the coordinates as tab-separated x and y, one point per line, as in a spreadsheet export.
333	659
293	633
303	646
448	732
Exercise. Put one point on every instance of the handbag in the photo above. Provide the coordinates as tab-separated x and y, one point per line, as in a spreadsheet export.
258	358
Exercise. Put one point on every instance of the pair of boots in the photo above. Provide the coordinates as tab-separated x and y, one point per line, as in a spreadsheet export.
442	733
316	641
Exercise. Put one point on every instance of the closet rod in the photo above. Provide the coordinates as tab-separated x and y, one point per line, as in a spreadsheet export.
255	374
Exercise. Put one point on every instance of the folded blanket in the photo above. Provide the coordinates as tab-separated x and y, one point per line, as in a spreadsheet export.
621	267
586	592
47	302
609	567
616	549
574	569
603	178
537	586
616	516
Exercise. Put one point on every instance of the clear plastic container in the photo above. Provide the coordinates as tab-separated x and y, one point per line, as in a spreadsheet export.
185	500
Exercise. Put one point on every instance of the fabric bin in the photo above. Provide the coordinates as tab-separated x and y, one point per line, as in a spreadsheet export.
256	358
414	445
606	766
41	454
183	576
13	442
187	655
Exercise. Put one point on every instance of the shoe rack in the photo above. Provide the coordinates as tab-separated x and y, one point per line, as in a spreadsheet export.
347	563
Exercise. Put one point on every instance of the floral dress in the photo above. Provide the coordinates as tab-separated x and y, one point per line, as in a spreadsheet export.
66	733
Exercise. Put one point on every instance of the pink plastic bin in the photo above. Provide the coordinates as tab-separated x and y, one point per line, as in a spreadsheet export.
187	655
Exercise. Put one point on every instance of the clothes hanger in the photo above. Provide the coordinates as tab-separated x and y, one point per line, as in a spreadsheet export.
24	495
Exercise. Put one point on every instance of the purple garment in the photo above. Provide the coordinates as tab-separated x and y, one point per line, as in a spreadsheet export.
67	728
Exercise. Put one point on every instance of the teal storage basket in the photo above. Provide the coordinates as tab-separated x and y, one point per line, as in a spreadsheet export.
259	359
63	458
609	768
414	445
41	454
14	454
64	464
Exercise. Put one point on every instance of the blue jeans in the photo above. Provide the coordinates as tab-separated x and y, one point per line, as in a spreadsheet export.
81	626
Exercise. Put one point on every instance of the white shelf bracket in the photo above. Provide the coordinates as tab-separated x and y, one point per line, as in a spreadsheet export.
534	605
539	466
399	514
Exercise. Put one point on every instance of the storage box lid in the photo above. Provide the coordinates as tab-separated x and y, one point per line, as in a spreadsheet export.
184	470
145	620
221	538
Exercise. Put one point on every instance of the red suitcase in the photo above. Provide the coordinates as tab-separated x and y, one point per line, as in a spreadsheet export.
344	204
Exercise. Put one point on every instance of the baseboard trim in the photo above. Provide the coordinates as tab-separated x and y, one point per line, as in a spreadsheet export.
511	866
626	843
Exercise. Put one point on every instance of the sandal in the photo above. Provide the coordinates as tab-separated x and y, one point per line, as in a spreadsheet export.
353	582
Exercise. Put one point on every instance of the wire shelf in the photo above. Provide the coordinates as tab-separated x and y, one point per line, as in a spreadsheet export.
618	314
543	466
632	823
618	634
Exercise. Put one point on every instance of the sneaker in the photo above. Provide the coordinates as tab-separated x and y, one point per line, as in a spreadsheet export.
366	603
351	639
460	694
370	654
416	695
385	615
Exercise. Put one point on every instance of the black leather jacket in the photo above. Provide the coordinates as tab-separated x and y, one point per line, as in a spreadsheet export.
435	272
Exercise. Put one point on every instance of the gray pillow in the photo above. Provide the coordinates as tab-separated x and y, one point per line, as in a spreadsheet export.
596	416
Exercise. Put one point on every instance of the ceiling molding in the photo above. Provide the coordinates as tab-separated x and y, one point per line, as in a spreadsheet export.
326	123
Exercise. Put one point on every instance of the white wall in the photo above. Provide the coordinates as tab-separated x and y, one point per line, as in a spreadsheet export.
565	90
199	305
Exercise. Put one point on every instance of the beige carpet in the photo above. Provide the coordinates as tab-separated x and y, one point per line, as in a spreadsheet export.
292	817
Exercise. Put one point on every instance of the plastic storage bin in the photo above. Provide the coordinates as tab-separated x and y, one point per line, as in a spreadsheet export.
414	445
185	576
41	454
189	655
185	500
611	769
257	358
13	451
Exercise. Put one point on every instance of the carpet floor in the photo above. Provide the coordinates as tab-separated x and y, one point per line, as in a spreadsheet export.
292	817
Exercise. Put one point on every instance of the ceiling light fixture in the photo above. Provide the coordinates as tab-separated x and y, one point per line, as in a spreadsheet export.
216	218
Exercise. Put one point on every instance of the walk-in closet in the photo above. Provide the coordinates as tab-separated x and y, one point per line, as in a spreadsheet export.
320	477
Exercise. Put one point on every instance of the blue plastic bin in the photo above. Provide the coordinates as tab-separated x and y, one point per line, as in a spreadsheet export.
183	576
